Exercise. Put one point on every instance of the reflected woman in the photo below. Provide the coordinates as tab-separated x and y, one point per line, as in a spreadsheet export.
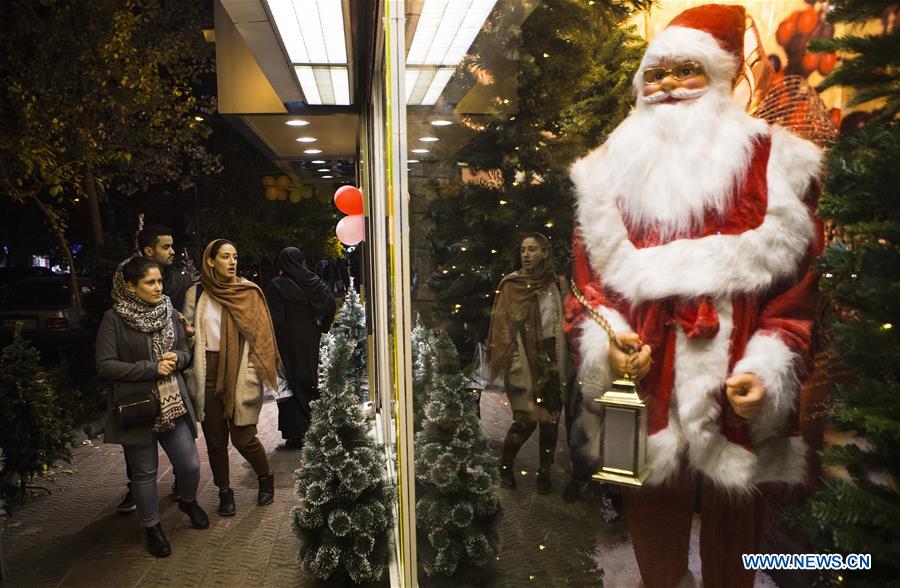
234	355
527	350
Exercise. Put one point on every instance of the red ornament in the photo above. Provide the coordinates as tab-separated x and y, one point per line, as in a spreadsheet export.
348	200
826	63
807	21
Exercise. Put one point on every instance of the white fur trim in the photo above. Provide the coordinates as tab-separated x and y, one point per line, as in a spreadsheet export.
768	357
676	43
782	460
664	452
749	262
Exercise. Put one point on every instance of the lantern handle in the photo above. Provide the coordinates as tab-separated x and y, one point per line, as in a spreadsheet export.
601	320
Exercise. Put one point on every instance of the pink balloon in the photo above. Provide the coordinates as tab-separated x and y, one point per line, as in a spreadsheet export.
348	200
351	229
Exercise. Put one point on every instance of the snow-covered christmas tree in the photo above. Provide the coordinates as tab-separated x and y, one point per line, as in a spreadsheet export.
456	474
345	504
351	321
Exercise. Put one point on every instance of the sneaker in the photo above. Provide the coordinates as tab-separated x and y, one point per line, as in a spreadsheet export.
507	477
198	517
174	494
157	544
266	489
127	505
226	502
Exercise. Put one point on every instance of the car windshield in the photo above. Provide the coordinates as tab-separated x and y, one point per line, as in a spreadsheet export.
38	294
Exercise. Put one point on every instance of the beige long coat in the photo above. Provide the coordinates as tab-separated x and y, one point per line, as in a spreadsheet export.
249	393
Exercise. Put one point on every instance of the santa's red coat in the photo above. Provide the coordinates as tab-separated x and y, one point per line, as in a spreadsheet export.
736	295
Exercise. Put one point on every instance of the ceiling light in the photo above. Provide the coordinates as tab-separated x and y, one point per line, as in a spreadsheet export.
441	123
419	150
446	30
312	151
318	161
307	140
312	30
324	84
412	161
198	118
324	169
462	164
297	123
424	85
327	177
428	139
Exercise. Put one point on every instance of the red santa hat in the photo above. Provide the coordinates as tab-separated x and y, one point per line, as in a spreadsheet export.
711	34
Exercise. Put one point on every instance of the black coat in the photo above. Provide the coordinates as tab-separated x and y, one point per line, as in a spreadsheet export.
124	358
300	315
176	282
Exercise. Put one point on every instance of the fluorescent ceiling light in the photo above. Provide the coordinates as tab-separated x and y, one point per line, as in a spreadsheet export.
325	169
424	85
429	139
420	150
312	151
324	84
312	30
299	123
446	30
327	177
441	123
318	161
306	139
412	161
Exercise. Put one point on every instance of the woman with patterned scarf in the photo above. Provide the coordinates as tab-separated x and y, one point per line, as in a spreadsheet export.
527	352
141	348
234	356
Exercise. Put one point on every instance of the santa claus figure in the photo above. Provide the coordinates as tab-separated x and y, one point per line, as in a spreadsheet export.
695	239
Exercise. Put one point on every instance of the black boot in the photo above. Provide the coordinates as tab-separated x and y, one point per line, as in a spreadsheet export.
507	477
157	544
266	489
544	485
226	502
572	491
199	520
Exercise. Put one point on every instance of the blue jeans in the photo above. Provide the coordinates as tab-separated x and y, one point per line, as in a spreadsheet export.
180	446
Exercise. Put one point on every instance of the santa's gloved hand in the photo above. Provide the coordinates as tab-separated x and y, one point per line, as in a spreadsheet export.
745	392
636	363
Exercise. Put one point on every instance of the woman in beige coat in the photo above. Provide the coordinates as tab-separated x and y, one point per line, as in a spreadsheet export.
234	355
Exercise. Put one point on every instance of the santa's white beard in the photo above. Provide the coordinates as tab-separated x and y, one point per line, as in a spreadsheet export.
667	164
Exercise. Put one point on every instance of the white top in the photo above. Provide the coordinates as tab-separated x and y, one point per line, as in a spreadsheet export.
549	311
212	324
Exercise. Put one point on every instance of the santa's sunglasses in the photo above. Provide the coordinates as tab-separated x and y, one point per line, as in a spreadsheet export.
681	71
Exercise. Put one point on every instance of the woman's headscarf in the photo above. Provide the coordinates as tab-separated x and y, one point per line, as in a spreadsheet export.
245	304
290	261
517	310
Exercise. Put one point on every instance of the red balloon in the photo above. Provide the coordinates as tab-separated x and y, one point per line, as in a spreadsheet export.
348	200
351	229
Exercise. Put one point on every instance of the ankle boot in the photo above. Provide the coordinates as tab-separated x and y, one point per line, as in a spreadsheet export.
199	520
157	544
226	502
266	489
507	477
544	485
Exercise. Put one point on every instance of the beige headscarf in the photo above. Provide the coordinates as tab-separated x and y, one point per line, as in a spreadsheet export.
245	317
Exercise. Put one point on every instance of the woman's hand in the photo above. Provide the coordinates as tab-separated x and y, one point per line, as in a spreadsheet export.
166	364
637	363
745	392
188	329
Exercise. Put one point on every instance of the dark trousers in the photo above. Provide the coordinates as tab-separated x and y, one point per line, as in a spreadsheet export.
524	424
217	430
659	522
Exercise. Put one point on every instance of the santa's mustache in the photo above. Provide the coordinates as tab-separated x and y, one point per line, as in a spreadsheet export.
679	94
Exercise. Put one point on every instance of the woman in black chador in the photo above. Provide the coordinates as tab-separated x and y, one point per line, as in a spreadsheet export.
302	309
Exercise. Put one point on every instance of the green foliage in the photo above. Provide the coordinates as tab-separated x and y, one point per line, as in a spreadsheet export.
572	63
862	276
456	474
34	432
351	323
344	514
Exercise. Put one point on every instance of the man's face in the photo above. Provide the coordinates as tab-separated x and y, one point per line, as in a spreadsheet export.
672	80
532	255
164	251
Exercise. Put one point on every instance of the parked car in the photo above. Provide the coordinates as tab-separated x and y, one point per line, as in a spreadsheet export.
46	308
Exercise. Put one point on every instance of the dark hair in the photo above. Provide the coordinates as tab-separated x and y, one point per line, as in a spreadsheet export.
542	240
137	267
150	235
217	244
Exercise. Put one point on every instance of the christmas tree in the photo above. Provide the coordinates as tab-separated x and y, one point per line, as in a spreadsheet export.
345	505
858	512
456	474
33	431
351	321
573	63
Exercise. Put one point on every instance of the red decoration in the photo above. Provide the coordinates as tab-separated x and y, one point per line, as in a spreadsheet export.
348	200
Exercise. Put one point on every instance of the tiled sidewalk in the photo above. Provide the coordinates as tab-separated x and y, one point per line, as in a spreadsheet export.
76	538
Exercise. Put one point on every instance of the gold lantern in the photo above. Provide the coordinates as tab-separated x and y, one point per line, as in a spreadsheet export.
623	442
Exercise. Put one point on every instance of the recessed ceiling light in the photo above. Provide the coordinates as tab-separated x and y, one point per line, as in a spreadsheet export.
297	123
312	151
319	161
420	150
428	139
462	164
324	169
441	123
198	118
327	177
412	161
307	139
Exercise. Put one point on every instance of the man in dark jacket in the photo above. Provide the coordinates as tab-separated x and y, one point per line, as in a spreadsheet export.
302	309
